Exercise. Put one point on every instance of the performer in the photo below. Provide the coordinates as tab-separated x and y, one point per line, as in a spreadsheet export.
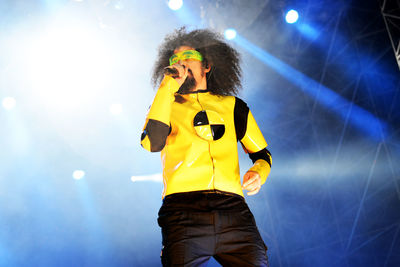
196	121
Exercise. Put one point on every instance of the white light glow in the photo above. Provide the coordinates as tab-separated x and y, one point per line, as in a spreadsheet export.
116	109
154	178
175	4
68	65
78	174
230	34
9	103
292	16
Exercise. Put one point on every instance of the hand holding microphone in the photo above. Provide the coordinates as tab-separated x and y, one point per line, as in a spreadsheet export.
178	72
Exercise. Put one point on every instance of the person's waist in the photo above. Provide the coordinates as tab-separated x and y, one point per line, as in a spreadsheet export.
215	193
203	200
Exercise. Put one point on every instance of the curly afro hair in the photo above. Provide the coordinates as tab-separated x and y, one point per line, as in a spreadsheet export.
225	74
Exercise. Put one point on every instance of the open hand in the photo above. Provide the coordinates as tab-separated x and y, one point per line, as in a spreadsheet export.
251	182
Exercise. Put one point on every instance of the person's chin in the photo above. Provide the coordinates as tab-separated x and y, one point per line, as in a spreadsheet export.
188	86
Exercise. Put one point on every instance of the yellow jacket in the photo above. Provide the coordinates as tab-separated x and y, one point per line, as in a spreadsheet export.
198	135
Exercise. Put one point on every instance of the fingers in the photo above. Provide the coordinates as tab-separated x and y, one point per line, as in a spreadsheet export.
181	69
253	189
250	177
250	193
251	182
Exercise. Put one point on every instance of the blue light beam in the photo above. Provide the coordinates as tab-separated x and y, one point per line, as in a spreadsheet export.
308	31
346	110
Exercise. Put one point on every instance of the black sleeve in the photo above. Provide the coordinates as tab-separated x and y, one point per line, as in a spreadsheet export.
240	113
262	154
157	133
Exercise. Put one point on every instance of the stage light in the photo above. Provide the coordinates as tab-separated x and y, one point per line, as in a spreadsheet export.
175	4
230	34
78	174
292	16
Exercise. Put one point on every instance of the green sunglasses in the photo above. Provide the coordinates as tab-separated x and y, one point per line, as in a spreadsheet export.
183	55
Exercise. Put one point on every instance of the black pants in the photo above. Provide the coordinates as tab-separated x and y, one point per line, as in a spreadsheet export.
199	225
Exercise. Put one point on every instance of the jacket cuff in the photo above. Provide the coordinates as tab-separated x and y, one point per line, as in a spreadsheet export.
262	168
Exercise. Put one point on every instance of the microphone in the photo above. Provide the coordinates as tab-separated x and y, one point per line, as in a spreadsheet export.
171	70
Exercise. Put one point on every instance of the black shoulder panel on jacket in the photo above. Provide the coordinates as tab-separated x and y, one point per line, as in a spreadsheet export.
240	113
